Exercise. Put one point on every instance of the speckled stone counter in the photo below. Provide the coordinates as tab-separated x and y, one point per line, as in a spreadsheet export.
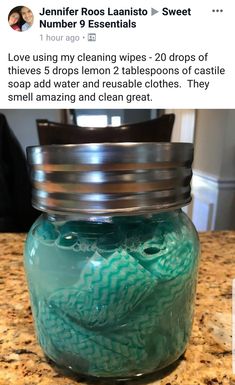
207	360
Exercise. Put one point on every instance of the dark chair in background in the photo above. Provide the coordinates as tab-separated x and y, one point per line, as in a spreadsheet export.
156	130
16	212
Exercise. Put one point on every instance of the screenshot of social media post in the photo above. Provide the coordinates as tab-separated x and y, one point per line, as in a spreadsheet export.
132	55
117	193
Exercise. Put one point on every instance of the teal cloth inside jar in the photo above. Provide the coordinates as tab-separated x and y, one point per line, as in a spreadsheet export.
113	297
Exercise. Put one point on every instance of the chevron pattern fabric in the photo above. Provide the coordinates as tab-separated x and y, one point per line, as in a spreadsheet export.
130	309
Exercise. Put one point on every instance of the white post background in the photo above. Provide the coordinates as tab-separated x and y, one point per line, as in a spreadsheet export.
202	32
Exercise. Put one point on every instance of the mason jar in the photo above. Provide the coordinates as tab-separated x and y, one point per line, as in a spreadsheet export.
112	262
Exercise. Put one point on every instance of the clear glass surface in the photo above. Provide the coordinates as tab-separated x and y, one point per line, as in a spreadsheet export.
113	296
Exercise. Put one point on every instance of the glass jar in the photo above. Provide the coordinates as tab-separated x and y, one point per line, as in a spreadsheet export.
111	271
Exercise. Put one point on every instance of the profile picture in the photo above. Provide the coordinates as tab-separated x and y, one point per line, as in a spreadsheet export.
20	18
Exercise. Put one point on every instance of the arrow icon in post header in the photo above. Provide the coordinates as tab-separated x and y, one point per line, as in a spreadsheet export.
153	11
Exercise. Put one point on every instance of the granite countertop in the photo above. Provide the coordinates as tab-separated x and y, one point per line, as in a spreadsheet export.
208	358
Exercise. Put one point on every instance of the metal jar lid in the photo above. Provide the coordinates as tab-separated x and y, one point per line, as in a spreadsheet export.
110	178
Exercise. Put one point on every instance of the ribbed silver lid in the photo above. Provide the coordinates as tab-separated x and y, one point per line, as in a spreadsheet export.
110	178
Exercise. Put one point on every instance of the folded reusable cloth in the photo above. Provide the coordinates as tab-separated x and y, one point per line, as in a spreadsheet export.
130	309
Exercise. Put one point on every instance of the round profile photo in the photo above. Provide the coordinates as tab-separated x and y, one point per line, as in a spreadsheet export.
20	18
